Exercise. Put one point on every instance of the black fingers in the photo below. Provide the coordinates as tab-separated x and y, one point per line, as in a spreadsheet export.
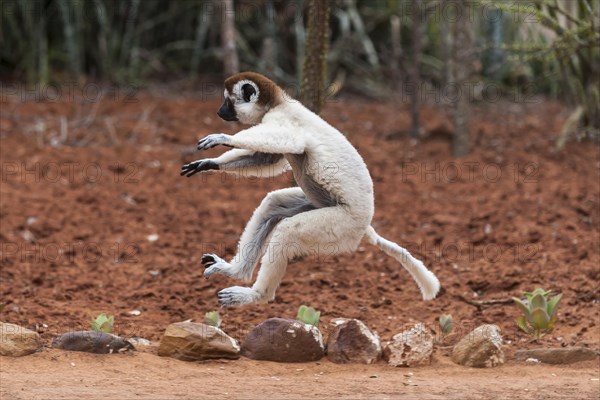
198	166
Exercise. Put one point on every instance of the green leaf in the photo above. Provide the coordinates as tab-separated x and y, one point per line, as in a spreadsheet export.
551	324
539	319
446	323
308	315
522	323
301	312
538	301
553	305
522	306
212	318
103	323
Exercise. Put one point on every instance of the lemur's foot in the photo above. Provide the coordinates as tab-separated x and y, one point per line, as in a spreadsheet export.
238	295
215	265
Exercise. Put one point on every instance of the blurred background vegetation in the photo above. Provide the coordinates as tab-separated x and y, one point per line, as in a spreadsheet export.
380	49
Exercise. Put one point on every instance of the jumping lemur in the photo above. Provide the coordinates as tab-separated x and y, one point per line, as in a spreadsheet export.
330	211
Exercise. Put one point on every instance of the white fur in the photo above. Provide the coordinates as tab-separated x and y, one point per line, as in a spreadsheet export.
262	171
335	165
426	280
247	112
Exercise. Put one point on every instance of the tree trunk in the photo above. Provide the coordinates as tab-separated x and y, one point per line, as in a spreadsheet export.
300	35
396	51
415	77
231	62
446	44
462	68
268	62
312	92
202	27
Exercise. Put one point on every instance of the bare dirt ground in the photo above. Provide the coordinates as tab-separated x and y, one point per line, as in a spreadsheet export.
87	187
62	375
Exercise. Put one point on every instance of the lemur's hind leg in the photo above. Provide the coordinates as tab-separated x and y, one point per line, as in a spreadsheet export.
321	233
276	206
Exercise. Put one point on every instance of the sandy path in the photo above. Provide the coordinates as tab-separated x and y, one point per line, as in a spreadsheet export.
54	374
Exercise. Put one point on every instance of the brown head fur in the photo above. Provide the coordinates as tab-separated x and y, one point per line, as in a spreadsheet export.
270	93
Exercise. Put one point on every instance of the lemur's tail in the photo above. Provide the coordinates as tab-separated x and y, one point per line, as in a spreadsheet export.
427	281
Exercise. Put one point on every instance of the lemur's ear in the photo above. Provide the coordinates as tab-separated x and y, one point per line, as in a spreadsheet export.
247	92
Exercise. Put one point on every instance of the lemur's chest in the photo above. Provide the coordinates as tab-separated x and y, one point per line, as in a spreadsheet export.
312	178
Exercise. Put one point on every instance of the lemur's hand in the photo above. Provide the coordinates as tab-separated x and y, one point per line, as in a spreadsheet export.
213	140
198	166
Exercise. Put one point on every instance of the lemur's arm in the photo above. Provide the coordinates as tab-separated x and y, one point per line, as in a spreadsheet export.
241	162
264	138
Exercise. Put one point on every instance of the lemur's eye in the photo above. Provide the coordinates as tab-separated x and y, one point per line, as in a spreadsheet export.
247	92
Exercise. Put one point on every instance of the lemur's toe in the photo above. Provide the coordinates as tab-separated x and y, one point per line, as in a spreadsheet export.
236	296
211	270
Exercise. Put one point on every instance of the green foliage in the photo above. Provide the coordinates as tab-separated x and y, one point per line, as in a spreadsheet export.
446	323
103	323
539	312
212	318
308	315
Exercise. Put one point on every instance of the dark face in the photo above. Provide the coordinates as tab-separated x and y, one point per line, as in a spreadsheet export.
227	111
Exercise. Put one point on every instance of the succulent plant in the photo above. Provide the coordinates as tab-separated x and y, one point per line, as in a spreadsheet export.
308	315
212	318
103	323
446	323
539	312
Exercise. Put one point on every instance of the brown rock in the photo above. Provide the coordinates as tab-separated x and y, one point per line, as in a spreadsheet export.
410	348
481	348
190	341
352	342
92	342
16	341
557	355
284	340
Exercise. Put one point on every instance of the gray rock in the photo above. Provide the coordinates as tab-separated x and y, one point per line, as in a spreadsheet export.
481	348
16	341
557	355
352	342
191	341
410	348
92	342
284	340
139	341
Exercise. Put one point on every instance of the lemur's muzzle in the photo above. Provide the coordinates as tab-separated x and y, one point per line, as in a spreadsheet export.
227	112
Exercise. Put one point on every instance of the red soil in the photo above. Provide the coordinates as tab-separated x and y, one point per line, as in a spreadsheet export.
512	216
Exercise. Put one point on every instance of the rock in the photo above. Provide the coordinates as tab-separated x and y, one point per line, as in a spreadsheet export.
92	342
352	342
410	348
481	348
139	341
284	340
191	341
557	355
16	341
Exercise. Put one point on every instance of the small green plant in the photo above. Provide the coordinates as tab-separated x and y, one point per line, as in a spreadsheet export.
103	323
446	323
308	315
212	318
539	312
